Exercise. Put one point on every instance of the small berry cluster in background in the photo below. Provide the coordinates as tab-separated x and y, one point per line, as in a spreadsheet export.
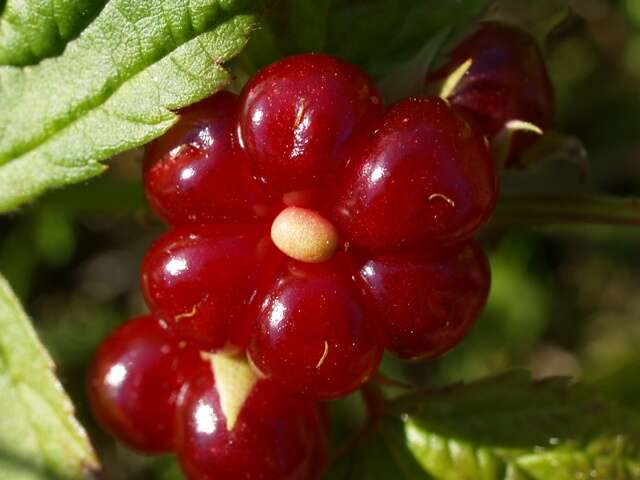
311	229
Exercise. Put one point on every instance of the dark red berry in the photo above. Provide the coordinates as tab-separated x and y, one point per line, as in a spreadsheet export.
196	172
507	80
297	115
311	332
426	305
424	178
243	428
134	381
199	279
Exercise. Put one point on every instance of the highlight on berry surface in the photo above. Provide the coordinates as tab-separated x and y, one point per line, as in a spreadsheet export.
227	415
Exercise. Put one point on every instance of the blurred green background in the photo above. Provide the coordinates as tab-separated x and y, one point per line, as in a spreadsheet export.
564	300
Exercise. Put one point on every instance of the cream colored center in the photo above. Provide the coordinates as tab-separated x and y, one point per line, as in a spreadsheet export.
305	235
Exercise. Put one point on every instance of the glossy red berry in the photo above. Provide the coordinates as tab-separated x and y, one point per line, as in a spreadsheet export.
196	172
312	333
506	80
425	305
297	116
354	186
199	279
424	178
134	382
255	431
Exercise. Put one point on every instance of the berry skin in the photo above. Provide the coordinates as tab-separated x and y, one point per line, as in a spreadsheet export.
196	172
199	279
312	333
310	230
355	185
426	305
134	381
424	178
297	114
275	436
507	80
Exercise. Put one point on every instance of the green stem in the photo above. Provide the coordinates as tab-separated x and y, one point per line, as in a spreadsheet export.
385	381
567	209
374	400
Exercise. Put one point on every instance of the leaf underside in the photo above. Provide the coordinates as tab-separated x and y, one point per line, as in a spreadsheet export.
509	427
114	88
39	436
382	454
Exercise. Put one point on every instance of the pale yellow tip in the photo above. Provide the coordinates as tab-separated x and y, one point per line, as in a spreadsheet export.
454	78
521	125
234	382
305	235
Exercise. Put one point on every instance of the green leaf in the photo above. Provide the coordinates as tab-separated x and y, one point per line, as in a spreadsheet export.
381	454
31	30
394	30
407	78
309	21
555	146
39	437
509	427
113	89
539	17
377	35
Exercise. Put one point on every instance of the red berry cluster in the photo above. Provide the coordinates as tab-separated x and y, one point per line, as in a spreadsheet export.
311	228
157	394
